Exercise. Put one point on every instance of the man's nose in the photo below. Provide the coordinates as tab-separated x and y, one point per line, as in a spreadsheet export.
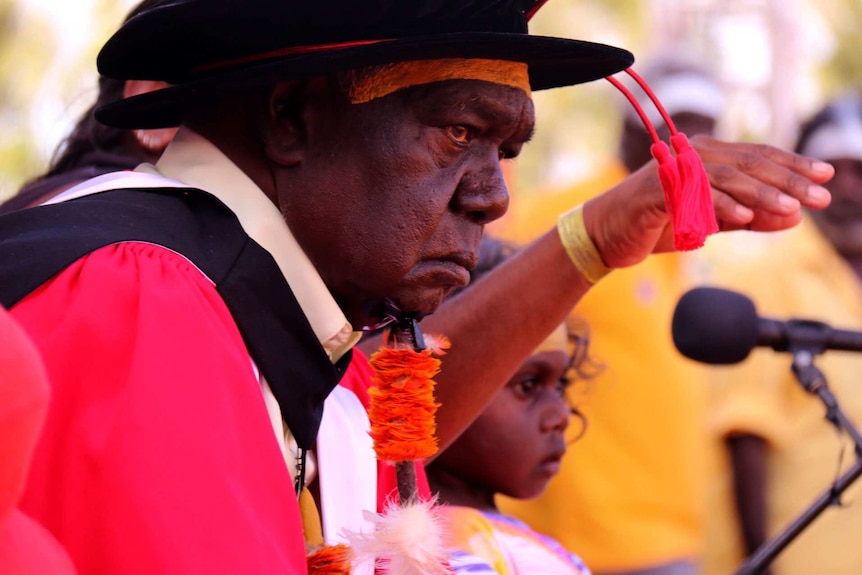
483	197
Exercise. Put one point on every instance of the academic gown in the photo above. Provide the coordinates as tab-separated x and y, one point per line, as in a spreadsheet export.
158	425
158	455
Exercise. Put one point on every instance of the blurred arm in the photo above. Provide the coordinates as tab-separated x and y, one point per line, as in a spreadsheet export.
748	461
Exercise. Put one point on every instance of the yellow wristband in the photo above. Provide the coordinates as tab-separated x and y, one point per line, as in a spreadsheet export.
581	249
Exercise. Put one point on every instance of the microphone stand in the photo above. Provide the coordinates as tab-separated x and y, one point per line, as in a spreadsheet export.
813	381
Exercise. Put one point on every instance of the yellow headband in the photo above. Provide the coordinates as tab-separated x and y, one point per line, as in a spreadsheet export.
393	77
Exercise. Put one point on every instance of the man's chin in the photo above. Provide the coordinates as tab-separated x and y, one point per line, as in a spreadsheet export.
408	302
420	303
416	310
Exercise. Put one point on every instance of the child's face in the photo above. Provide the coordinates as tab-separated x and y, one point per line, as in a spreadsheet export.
515	446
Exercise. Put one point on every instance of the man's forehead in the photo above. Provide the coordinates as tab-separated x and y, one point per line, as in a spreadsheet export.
472	94
492	103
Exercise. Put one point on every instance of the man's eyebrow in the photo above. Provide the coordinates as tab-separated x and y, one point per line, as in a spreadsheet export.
491	109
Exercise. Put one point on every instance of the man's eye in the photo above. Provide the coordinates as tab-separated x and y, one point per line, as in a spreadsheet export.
459	133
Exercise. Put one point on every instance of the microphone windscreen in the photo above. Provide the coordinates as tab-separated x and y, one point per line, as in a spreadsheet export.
715	326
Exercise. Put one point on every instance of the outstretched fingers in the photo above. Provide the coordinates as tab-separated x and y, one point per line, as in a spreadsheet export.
761	187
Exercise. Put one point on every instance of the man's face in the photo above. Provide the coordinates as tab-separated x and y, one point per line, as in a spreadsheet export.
841	221
394	193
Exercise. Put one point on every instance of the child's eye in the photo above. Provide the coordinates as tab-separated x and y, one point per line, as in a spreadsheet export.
527	386
562	385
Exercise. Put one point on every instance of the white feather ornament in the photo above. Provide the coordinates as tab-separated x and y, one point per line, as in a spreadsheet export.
406	540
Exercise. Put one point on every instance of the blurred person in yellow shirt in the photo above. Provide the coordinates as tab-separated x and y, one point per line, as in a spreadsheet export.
781	450
629	500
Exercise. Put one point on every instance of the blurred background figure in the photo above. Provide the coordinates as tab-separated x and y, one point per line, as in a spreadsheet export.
778	450
630	497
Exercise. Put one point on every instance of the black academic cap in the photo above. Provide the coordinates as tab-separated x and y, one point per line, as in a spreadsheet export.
201	45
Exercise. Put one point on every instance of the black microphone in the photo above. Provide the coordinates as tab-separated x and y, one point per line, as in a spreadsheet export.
718	326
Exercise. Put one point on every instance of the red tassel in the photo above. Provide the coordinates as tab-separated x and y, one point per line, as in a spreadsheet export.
692	212
687	193
668	173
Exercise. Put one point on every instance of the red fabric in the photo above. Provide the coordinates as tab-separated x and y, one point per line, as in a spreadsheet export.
157	455
25	547
668	173
357	379
23	404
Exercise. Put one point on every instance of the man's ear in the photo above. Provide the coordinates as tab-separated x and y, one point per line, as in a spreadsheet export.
285	130
138	87
152	142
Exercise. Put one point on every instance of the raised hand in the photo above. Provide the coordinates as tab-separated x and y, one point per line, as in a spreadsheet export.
754	186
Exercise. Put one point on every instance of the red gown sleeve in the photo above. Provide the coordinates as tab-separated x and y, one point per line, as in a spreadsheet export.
357	379
157	455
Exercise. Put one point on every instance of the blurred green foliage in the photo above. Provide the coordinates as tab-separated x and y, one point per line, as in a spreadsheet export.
43	87
25	50
844	70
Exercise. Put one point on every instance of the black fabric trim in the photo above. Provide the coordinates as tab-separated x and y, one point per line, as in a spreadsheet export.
38	243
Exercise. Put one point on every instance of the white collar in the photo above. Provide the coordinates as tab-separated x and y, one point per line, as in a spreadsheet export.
195	161
191	160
